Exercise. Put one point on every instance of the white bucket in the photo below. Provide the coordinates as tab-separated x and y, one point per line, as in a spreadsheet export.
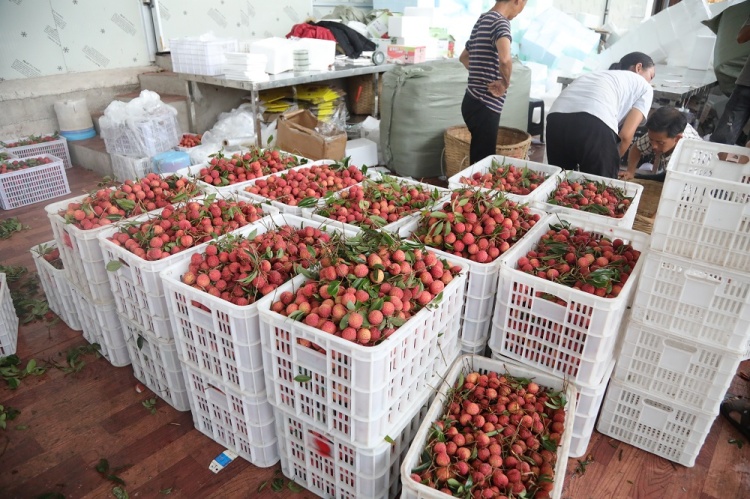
73	115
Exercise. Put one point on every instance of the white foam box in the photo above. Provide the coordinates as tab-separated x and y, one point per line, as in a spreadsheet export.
321	53
408	26
279	51
362	152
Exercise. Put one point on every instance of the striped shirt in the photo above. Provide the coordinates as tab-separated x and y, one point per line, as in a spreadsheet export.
484	62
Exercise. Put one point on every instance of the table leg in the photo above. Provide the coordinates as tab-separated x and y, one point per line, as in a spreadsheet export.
192	91
255	103
376	94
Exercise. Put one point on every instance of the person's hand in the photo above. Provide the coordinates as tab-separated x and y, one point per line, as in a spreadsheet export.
498	88
626	175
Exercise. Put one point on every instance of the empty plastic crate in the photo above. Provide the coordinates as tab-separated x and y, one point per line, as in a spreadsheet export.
57	288
57	148
667	429
125	167
101	325
8	320
201	57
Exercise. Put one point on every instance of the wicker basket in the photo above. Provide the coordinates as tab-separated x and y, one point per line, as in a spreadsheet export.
511	142
359	92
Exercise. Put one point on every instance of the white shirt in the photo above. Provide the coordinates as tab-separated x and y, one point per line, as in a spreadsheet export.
608	95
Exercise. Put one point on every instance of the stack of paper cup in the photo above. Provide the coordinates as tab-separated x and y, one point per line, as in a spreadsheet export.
301	60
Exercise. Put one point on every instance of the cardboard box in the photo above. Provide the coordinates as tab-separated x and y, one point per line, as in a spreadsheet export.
406	55
296	134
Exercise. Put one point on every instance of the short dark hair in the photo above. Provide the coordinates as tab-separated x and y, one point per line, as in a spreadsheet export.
633	58
667	119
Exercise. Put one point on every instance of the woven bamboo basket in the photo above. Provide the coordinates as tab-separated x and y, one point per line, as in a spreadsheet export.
361	95
511	142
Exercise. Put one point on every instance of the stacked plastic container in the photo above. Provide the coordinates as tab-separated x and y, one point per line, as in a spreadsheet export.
57	146
346	413
32	185
201	55
576	341
8	320
688	329
57	288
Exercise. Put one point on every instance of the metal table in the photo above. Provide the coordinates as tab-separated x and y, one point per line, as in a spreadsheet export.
286	79
673	85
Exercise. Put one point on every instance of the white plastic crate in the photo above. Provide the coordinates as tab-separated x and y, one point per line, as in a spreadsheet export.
6	154
101	325
57	148
347	471
481	286
142	137
33	185
391	227
469	363
631	189
357	393
195	56
667	429
703	214
675	369
588	403
214	335
56	288
483	166
242	422
186	149
8	320
193	171
576	340
282	207
156	364
705	303
136	284
125	167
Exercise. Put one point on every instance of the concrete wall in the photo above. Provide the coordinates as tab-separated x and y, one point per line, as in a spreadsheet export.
26	106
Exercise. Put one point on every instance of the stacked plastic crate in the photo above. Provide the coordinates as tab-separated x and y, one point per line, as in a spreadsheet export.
345	413
85	270
57	287
8	320
561	330
688	329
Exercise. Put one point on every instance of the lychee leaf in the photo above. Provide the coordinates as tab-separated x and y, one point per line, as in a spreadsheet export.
301	378
389	440
344	322
351	305
333	288
114	266
297	315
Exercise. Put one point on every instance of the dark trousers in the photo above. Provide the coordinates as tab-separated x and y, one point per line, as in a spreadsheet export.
483	124
734	117
580	141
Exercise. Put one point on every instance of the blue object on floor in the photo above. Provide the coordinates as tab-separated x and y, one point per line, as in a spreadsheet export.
84	134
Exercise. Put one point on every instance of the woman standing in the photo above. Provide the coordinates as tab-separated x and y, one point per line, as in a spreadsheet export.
488	59
593	121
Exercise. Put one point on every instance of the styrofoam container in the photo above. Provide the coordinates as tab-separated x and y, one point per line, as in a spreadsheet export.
33	185
675	369
357	393
321	53
483	166
483	365
80	251
577	340
8	320
242	422
631	190
217	336
481	287
279	53
282	207
196	56
102	326
705	303
137	284
588	403
57	148
703	213
348	470
156	365
126	167
668	429
376	177
56	288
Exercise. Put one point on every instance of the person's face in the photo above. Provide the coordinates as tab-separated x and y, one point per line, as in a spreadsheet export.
661	143
647	73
